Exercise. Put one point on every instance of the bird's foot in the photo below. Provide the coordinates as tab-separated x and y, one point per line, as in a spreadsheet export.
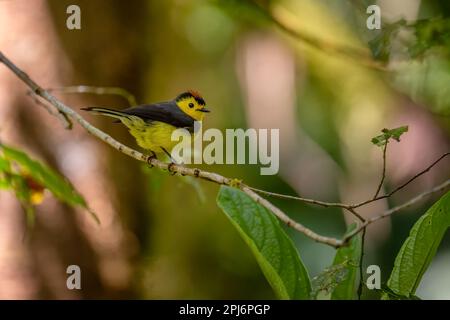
150	158
172	162
170	168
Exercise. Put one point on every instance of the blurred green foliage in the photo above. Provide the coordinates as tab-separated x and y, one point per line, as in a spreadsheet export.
29	178
427	34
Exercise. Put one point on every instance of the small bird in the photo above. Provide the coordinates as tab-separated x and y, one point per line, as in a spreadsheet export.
152	124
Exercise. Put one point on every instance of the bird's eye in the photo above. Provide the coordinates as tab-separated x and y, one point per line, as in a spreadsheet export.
191	105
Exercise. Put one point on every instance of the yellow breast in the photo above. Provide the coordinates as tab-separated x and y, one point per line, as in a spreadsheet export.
154	136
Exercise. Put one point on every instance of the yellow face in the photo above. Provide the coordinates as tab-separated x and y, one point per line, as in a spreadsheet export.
192	107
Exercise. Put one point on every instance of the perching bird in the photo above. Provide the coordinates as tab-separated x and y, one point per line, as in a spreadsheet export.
152	124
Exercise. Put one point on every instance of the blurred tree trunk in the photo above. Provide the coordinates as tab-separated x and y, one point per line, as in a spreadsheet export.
34	35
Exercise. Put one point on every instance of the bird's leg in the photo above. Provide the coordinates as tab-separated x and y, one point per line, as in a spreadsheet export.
169	168
168	154
172	161
150	158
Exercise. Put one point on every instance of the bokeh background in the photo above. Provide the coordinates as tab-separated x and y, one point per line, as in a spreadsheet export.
163	237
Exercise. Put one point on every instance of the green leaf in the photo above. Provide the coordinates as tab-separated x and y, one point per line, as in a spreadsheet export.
349	257
20	186
273	249
4	184
395	134
327	281
5	169
46	177
4	165
419	248
58	185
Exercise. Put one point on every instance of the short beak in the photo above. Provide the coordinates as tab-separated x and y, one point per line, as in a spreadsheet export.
204	110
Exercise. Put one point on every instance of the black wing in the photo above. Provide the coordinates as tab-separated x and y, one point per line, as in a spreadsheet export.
167	112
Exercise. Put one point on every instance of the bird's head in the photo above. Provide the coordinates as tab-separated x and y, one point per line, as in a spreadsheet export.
191	103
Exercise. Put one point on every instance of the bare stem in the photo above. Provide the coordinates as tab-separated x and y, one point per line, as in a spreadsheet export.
393	210
361	259
388	195
99	91
305	200
355	205
383	175
52	110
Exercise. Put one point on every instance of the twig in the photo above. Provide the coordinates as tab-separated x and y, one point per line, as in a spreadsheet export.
289	222
98	90
356	214
383	176
361	259
174	168
305	200
51	110
388	195
311	201
356	205
391	211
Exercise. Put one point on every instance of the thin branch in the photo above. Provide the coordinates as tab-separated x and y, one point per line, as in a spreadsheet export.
388	195
98	90
393	210
51	110
305	200
356	214
361	258
311	201
356	205
174	168
289	222
383	175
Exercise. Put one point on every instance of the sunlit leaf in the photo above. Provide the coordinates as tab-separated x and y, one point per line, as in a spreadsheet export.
4	169
20	187
4	165
4	184
44	176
